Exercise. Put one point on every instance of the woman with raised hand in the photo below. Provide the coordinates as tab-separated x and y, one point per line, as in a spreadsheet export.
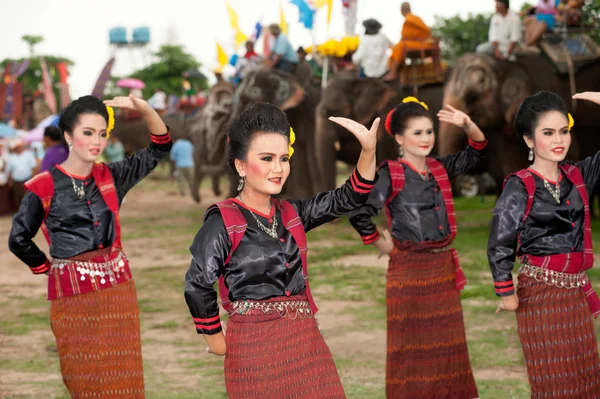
543	218
93	305
255	245
427	354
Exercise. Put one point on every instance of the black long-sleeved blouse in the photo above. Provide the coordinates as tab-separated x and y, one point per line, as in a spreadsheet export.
418	211
260	267
78	225
550	228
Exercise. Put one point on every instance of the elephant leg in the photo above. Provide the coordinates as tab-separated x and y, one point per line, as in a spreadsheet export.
215	184
326	152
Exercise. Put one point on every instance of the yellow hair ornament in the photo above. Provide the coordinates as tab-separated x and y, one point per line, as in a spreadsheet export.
411	99
292	141
571	121
111	120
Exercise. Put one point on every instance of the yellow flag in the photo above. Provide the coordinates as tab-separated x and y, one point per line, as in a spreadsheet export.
222	58
234	18
282	22
240	37
322	3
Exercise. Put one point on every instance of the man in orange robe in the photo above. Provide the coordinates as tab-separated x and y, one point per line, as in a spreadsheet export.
415	35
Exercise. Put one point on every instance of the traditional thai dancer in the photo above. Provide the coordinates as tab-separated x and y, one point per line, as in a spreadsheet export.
543	218
93	306
427	354
255	245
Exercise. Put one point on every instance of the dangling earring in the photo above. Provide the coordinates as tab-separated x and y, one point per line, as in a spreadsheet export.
241	185
400	150
70	145
530	155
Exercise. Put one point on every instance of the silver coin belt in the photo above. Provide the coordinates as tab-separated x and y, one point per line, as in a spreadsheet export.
291	309
558	279
111	269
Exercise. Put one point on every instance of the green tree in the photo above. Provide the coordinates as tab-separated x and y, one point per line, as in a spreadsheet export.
460	36
32	77
32	41
591	16
167	72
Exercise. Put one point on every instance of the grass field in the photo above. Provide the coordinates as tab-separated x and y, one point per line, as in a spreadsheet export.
349	286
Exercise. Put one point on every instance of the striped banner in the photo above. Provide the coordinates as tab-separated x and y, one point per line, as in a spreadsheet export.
48	90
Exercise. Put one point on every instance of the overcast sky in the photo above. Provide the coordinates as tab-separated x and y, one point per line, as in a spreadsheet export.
79	29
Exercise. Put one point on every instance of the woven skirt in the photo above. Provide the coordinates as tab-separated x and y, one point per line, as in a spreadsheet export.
556	329
278	354
427	354
98	339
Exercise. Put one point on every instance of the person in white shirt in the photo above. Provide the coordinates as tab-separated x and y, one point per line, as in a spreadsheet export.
505	33
371	54
158	101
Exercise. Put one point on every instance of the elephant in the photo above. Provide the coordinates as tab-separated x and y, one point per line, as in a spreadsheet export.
362	100
490	92
134	133
208	132
299	102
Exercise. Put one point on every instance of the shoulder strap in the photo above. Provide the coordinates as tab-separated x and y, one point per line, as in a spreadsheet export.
574	175
397	178
440	175
529	183
106	185
42	185
292	222
236	225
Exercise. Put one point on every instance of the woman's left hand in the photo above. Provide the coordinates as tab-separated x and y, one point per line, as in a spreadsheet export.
455	117
366	137
130	102
593	96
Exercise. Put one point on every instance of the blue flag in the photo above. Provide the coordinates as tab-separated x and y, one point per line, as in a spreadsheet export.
306	13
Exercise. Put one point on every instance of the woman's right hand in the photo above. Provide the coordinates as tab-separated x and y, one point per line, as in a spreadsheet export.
509	304
385	244
216	343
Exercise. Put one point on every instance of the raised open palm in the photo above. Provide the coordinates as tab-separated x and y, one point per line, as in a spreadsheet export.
593	96
130	102
453	116
366	137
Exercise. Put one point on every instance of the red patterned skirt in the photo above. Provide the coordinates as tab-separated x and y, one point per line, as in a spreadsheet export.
556	329
98	339
278	353
427	354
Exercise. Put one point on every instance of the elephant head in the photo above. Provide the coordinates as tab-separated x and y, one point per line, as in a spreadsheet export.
362	100
489	91
272	86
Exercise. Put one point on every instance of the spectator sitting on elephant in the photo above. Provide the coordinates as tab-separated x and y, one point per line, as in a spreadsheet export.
283	56
248	61
504	35
371	54
543	21
569	12
415	36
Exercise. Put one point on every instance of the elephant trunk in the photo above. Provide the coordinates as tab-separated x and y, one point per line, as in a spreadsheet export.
451	138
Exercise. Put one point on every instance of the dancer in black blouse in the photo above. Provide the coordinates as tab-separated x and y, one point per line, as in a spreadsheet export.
426	345
93	304
256	244
542	217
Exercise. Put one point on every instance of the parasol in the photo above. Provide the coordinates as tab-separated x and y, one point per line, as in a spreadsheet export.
131	83
194	74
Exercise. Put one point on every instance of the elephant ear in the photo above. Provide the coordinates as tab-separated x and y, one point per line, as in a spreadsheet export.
370	98
513	90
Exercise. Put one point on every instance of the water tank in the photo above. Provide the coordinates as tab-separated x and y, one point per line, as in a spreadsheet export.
118	35
141	35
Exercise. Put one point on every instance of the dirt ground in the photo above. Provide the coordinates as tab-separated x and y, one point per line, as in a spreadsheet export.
158	227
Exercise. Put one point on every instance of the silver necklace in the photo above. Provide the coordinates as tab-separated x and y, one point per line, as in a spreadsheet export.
554	192
79	190
271	231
